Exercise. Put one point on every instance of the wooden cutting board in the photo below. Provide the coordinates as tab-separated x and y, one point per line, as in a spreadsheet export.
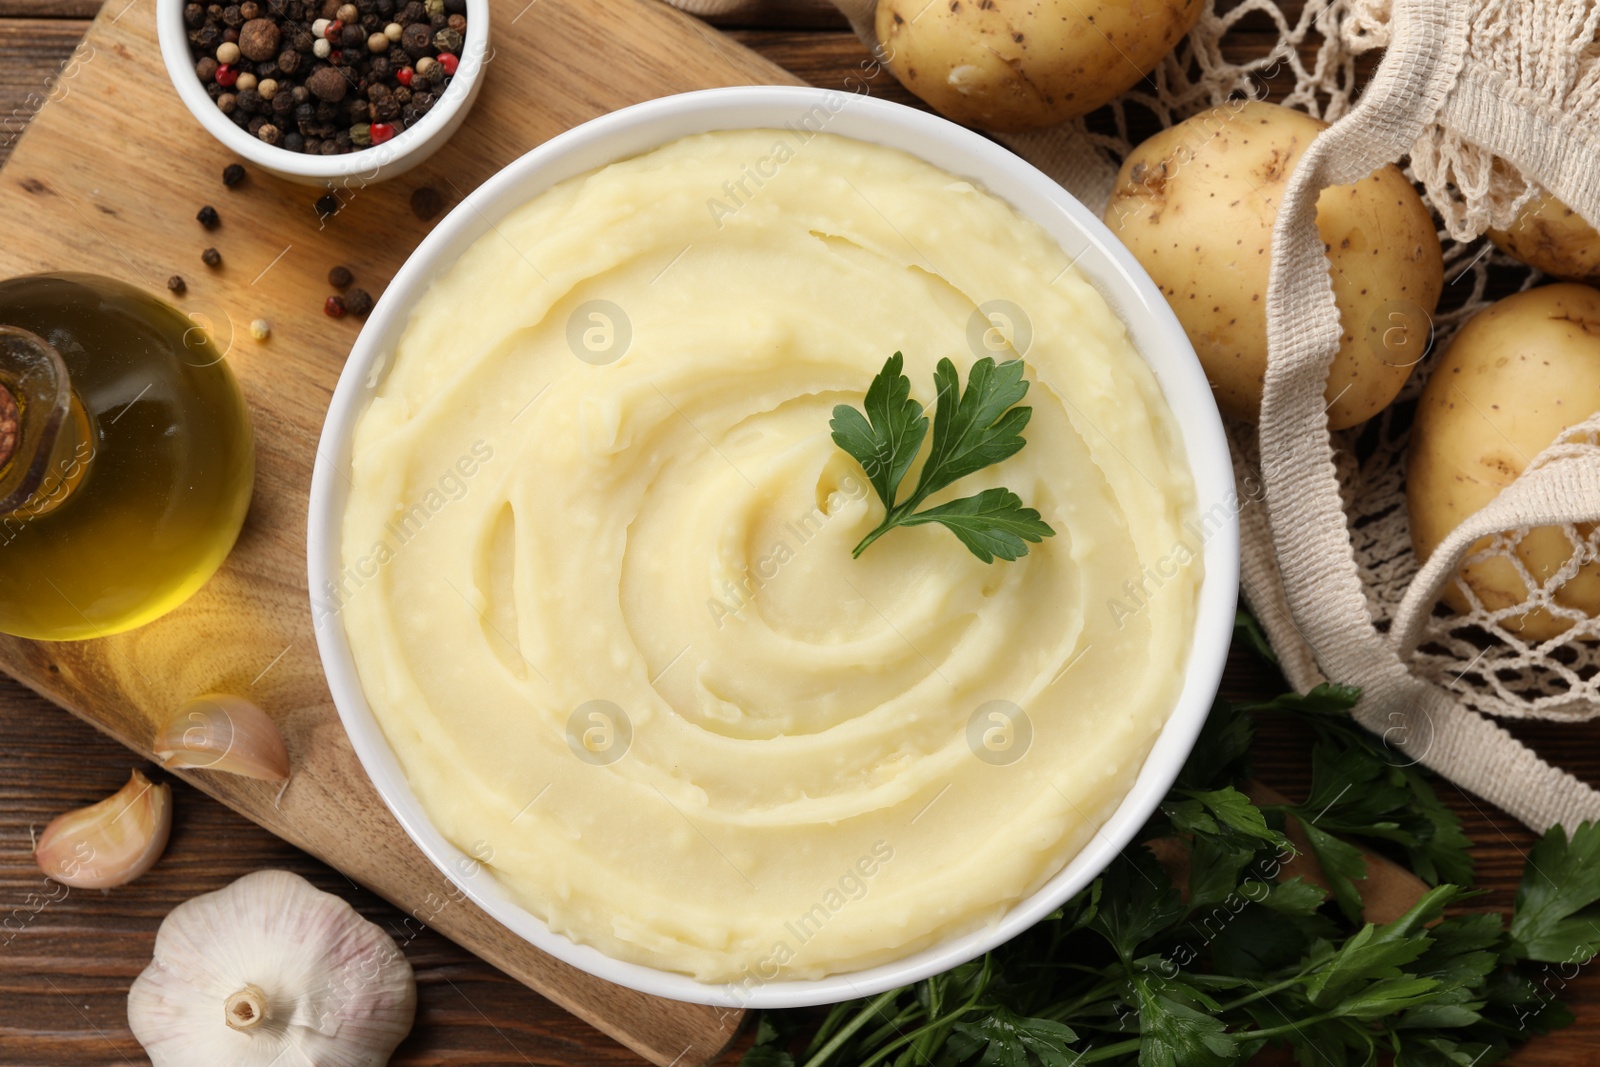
108	179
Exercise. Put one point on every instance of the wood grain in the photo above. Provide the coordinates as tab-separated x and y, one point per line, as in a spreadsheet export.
64	978
91	204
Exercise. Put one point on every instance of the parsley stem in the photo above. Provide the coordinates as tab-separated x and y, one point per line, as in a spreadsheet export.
1293	1025
883	528
1107	1052
1268	991
1098	992
845	1032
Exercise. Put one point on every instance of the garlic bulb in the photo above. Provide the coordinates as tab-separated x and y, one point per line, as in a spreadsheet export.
271	971
110	843
223	733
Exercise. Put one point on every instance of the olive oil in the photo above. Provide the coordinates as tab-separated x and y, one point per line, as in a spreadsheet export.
138	494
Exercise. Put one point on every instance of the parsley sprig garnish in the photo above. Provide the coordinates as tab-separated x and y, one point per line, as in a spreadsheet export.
1136	972
971	430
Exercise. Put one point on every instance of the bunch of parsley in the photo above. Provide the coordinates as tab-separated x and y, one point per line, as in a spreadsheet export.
1134	971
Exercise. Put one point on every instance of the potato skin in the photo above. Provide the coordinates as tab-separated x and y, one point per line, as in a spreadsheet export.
1022	64
1518	374
1196	205
1551	237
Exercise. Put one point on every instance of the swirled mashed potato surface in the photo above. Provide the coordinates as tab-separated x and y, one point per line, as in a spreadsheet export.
598	580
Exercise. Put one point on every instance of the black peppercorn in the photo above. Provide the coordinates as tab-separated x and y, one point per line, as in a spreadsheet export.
417	40
328	204
193	15
232	175
208	217
359	302
340	277
249	100
206	38
211	257
289	61
293	142
176	284
426	203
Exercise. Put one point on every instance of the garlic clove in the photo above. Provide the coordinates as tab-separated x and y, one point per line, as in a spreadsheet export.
110	843
220	732
272	971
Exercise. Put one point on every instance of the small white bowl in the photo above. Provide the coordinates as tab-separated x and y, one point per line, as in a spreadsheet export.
395	156
1106	263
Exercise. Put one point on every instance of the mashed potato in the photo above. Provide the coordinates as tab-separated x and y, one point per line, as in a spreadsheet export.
598	579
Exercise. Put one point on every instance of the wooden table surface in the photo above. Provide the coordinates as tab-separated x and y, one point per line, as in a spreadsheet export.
64	975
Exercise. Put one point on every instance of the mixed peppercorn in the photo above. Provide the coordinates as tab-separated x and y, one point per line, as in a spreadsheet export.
326	77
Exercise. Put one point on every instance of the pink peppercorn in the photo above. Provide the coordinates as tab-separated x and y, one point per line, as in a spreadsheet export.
449	62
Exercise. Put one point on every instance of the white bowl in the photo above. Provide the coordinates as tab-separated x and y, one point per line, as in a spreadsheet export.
395	156
1104	261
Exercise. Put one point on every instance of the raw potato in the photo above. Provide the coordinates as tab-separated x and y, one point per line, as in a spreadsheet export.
1551	237
1517	375
1022	64
1196	204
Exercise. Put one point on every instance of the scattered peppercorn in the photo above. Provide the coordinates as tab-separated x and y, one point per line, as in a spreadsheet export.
232	175
260	329
426	203
176	285
340	277
359	302
208	217
211	257
328	204
334	307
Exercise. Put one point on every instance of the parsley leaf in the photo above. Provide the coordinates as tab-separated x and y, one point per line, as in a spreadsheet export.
1557	920
1181	1032
971	430
887	438
1008	1040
